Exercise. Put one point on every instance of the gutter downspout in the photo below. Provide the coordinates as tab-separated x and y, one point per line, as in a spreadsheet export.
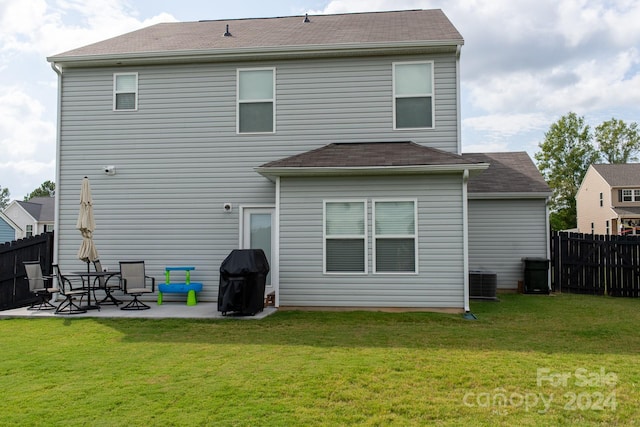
275	269
56	226
465	239
459	119
548	229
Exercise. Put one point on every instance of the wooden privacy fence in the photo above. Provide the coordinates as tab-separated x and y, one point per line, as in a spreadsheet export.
14	288
595	264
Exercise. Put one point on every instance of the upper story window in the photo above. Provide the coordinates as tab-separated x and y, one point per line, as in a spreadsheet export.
601	200
48	228
29	231
413	95
256	100
395	236
125	91
629	195
345	236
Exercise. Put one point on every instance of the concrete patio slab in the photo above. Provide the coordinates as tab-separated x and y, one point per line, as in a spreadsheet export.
168	310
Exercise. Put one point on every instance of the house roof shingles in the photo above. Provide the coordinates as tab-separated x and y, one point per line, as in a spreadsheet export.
423	27
40	208
374	154
512	172
620	175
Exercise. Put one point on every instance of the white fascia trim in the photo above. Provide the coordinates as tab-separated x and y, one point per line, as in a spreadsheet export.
487	196
253	53
271	173
10	222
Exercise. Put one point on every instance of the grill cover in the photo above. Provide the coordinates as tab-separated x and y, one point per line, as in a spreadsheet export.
243	276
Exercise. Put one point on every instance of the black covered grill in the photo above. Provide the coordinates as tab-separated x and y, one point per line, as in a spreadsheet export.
243	275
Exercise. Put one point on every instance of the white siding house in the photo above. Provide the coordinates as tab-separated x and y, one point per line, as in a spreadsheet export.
203	132
32	217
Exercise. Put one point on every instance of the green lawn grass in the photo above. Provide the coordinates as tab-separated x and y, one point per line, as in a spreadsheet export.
556	360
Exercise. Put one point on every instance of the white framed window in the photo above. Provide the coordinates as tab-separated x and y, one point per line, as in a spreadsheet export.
630	195
601	200
395	236
48	228
345	236
125	91
256	100
29	231
413	95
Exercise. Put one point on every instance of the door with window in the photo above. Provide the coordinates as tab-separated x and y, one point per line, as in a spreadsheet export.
257	233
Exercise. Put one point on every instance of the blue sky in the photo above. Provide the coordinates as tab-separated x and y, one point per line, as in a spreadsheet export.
525	63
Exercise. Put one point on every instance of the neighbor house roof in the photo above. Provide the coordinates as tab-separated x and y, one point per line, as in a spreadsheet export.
508	173
624	212
376	30
42	209
370	157
620	175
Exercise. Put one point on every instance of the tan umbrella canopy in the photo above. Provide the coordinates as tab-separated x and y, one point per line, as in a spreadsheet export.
86	224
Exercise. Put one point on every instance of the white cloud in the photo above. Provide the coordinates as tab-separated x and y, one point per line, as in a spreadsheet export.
507	125
42	27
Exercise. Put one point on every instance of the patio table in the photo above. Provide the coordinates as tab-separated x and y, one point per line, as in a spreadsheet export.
89	284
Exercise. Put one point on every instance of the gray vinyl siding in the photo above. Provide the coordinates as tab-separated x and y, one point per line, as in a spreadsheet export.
440	244
502	232
178	158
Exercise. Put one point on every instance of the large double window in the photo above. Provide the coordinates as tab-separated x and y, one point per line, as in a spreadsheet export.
125	91
413	95
394	236
256	100
345	236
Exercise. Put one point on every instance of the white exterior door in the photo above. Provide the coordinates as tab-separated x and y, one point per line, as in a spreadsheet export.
257	233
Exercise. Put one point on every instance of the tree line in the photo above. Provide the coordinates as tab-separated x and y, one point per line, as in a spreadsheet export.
46	189
570	147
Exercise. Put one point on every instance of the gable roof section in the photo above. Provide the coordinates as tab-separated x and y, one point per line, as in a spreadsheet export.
328	33
369	158
620	175
509	174
9	222
42	209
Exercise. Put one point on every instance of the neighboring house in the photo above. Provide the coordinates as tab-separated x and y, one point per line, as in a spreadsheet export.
33	217
7	229
508	216
608	200
331	142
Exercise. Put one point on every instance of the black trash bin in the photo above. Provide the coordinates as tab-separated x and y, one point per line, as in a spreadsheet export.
243	276
536	277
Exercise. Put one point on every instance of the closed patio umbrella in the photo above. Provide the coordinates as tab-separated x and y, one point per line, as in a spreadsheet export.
86	224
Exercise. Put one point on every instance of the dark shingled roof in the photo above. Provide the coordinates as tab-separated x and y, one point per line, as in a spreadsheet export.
425	27
40	208
620	175
374	154
512	172
627	212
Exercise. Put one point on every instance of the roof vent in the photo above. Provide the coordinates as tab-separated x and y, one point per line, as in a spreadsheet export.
306	18
227	33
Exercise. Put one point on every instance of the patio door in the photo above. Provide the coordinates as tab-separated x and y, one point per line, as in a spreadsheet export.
257	233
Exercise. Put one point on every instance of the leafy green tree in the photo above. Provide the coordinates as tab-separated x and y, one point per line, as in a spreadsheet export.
4	197
565	156
617	141
46	189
